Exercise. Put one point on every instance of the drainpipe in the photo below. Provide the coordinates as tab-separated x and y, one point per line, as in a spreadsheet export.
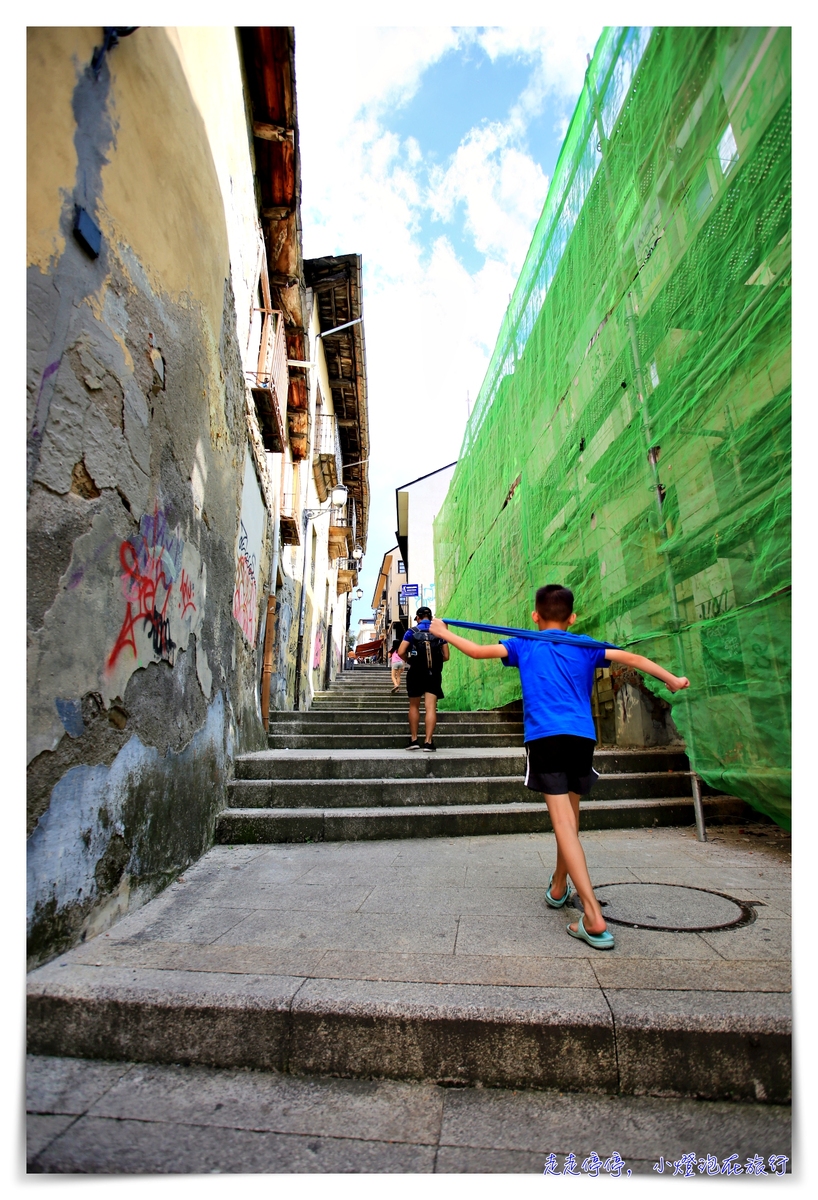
302	618
267	667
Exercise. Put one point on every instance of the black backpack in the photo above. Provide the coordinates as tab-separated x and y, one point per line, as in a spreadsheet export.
425	650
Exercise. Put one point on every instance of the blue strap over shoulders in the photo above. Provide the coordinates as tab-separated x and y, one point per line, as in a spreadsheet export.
537	635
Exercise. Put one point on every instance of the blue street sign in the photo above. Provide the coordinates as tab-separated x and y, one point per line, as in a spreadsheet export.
409	589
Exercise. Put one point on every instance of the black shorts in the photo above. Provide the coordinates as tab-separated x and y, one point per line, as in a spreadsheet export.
559	764
419	681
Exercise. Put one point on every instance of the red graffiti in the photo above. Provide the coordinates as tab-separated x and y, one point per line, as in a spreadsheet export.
186	592
150	563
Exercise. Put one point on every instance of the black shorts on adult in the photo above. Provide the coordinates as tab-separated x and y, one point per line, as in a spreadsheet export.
420	681
559	764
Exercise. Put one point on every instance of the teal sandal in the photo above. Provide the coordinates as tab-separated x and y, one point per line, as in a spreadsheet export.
549	899
599	941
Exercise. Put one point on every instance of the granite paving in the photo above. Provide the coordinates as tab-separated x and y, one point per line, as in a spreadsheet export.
88	1117
438	959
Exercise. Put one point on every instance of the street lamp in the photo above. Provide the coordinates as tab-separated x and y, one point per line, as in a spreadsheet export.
337	499
359	593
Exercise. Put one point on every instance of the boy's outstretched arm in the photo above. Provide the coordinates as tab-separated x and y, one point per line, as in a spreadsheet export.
674	683
470	648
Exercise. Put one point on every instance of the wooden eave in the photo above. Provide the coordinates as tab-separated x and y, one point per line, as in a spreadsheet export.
268	54
337	287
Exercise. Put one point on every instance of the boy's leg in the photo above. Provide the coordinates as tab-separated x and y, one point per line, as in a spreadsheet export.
559	880
565	822
431	716
414	717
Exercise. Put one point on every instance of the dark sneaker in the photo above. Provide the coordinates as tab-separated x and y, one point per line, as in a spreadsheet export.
428	746
415	745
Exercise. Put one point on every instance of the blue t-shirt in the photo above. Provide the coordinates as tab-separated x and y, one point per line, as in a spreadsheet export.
557	679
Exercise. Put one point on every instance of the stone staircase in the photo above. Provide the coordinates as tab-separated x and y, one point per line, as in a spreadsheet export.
341	772
355	955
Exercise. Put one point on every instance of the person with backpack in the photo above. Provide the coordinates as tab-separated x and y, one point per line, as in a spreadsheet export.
425	655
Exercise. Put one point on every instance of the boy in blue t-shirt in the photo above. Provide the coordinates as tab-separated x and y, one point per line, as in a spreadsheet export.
557	679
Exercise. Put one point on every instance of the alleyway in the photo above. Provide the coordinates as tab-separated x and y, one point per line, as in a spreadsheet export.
261	935
435	958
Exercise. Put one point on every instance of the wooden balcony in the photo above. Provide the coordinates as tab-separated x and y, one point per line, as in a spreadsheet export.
339	541
347	574
347	580
326	463
270	382
289	523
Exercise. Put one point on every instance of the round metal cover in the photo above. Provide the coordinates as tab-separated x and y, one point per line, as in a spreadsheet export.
671	907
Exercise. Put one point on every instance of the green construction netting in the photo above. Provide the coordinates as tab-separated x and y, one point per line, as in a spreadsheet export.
631	436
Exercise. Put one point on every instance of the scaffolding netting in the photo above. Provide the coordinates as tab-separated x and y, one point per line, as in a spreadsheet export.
631	437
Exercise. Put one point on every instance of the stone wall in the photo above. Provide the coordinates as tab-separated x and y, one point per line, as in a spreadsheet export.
141	682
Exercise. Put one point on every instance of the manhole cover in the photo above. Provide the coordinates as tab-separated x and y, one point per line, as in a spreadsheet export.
671	907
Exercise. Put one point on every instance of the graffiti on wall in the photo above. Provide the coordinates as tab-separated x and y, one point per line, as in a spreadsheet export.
245	594
248	552
162	586
318	648
151	563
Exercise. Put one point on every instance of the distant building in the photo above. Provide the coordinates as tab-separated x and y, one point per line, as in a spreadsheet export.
391	615
366	631
319	540
418	503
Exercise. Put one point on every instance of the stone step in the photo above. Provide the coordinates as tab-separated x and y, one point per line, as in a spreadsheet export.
514	1037
437	961
393	706
434	791
253	825
390	716
386	741
463	762
381	693
353	729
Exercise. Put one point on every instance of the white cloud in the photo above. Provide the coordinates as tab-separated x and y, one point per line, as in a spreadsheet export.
345	70
501	188
430	323
558	51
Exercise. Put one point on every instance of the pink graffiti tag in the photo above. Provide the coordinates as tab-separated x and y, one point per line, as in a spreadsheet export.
245	594
317	649
186	593
244	599
150	563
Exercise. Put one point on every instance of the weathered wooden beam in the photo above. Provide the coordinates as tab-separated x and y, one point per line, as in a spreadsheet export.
283	280
279	213
328	281
272	133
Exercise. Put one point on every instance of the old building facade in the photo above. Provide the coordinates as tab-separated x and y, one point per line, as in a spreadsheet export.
389	604
166	296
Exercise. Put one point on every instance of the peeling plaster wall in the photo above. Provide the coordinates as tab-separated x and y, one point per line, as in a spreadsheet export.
141	683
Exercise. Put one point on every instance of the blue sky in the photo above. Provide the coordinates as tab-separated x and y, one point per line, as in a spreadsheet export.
432	161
